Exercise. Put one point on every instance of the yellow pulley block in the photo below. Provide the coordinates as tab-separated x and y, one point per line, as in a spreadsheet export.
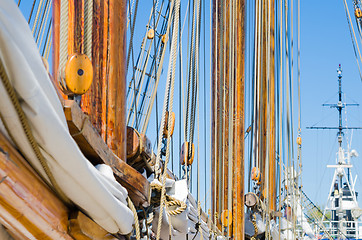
226	218
187	156
172	124
299	141
78	74
255	174
358	13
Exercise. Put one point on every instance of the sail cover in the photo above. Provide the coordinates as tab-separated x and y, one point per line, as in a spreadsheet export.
103	199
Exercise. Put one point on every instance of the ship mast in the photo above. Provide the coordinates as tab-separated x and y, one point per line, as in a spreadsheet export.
228	45
337	191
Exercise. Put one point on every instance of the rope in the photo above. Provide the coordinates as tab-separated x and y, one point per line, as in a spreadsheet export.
37	16
136	222
170	201
42	25
199	211
88	27
168	102
63	49
27	130
31	11
47	38
253	221
47	50
132	34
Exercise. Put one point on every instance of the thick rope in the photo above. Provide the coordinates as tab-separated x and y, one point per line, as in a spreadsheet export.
63	49
88	27
253	221
136	222
170	201
27	130
169	86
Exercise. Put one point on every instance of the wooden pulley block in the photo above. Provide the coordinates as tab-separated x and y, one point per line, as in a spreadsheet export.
78	74
133	142
139	151
358	13
255	174
186	155
164	39
151	34
226	218
172	122
251	199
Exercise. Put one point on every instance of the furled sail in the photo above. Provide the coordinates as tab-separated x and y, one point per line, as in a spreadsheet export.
26	90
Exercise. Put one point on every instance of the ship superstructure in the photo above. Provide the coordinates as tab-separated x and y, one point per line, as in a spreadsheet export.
341	215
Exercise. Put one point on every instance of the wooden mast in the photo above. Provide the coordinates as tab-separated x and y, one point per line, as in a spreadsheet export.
239	128
272	160
227	85
266	122
105	102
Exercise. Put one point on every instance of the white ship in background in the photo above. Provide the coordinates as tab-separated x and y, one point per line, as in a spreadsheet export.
341	215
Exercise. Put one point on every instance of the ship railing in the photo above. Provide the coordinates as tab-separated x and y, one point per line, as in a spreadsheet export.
346	229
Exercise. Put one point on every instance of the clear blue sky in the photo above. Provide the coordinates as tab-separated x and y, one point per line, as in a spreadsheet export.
325	43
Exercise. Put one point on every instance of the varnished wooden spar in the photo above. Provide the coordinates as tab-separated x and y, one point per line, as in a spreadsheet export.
239	128
272	160
116	132
94	102
106	101
267	105
227	115
28	208
97	151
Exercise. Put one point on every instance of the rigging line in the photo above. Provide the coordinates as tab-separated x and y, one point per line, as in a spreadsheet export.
47	51
354	43
222	109
159	70
251	62
210	109
47	38
37	16
180	92
88	27
191	75
63	49
169	97
204	81
19	3
133	22
31	11
43	24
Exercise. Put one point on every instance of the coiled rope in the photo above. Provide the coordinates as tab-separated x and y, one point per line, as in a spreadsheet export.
170	201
